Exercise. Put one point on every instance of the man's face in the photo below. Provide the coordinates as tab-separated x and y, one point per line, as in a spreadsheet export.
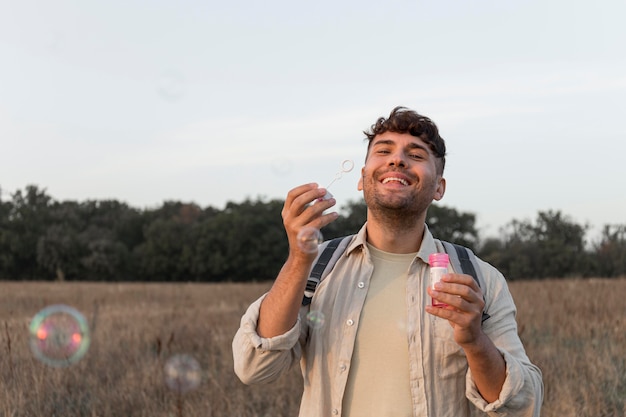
400	173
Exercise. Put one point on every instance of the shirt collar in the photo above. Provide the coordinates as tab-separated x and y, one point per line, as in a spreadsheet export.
427	247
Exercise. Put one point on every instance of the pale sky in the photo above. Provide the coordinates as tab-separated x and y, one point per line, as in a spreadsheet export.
210	102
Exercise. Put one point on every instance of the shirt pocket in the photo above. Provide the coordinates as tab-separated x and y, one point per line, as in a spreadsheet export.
450	360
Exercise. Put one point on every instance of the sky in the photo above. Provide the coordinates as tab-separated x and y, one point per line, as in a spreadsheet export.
213	102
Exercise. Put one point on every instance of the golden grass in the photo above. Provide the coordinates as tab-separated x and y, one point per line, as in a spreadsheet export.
574	330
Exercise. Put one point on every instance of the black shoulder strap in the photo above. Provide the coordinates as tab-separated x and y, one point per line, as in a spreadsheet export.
318	269
466	264
462	254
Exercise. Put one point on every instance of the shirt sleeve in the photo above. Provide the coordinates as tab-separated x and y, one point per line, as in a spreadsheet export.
261	360
522	392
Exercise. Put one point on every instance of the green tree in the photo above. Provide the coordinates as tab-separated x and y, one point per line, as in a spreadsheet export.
553	246
28	217
351	219
104	257
112	232
609	256
7	258
85	241
244	242
108	240
447	223
513	254
167	251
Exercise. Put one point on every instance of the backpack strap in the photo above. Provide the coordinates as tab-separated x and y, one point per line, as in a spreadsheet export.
325	263
461	260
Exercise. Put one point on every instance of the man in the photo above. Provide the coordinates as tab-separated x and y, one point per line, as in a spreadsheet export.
383	349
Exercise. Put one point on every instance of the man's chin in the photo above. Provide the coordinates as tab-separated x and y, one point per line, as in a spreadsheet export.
392	204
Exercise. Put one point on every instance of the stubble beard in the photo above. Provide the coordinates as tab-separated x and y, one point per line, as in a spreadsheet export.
395	212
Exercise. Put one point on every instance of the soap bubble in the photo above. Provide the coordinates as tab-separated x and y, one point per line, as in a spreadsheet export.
309	238
54	39
171	85
281	167
59	335
182	373
402	325
315	319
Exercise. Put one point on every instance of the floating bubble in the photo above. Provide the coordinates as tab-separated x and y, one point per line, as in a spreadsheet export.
182	373
281	167
401	323
171	85
59	335
309	238
315	319
54	39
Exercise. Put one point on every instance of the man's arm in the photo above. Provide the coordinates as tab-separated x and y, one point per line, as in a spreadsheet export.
464	313
487	366
303	208
266	342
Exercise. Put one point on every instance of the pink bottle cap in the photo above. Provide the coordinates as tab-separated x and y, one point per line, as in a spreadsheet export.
438	259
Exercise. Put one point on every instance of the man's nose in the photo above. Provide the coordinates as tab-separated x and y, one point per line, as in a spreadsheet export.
397	159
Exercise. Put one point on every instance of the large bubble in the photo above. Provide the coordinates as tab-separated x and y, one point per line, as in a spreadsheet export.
59	335
171	85
309	238
281	167
315	319
182	373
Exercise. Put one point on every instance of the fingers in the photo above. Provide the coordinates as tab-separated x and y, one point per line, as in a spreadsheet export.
300	196
462	295
304	207
460	286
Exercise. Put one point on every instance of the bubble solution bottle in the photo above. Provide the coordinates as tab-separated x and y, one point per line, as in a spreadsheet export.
438	267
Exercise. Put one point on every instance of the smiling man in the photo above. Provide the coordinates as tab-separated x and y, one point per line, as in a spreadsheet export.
383	350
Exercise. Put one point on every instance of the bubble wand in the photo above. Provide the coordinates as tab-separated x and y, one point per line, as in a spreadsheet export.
309	238
346	166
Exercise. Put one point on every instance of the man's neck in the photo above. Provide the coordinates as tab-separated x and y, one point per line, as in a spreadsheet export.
395	239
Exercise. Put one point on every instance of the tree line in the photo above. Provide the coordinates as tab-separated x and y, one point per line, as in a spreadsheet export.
45	239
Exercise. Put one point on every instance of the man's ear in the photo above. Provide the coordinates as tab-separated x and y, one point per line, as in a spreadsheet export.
441	189
360	184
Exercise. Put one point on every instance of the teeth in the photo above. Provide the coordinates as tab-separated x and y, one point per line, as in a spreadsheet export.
400	180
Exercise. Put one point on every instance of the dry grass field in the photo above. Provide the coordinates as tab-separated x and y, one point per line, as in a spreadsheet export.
575	330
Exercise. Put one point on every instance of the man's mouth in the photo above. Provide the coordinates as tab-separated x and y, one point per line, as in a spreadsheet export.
395	179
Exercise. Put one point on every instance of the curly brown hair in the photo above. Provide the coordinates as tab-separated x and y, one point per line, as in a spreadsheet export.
404	120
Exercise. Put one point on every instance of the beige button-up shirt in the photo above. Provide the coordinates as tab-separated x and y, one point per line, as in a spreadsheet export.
440	380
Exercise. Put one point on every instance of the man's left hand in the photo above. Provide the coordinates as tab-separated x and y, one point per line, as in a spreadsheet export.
464	308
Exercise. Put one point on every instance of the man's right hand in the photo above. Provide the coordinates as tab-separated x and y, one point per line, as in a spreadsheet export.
304	207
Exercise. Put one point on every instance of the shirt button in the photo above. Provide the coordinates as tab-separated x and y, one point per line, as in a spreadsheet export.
350	322
342	368
361	285
335	411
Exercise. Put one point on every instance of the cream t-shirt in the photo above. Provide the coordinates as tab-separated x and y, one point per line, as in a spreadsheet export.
378	382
